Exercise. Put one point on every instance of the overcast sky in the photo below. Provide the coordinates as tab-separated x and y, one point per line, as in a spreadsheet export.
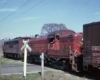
26	17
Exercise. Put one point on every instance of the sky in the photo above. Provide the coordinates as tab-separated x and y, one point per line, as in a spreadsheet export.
26	17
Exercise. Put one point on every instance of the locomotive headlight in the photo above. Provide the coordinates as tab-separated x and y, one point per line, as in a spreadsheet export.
82	39
75	34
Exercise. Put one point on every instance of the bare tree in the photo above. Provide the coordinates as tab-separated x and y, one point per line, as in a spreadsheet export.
48	28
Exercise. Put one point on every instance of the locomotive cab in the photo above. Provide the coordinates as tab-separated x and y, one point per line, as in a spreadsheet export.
50	42
53	42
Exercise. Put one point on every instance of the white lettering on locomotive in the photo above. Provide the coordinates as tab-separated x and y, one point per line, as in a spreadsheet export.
95	48
95	54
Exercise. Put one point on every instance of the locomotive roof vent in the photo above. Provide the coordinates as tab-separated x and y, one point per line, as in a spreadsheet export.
80	33
36	35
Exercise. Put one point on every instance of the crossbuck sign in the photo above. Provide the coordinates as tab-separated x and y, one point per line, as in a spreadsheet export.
25	47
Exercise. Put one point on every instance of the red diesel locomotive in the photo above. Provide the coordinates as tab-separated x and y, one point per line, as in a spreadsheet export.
63	48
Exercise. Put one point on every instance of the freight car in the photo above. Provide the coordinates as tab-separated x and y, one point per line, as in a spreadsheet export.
91	47
11	48
62	48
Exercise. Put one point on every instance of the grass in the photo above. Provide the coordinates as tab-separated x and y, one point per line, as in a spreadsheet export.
31	76
10	62
48	75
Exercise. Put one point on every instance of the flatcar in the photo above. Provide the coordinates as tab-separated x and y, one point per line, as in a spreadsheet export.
11	48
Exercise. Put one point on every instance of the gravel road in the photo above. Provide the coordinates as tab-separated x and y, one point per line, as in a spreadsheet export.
31	68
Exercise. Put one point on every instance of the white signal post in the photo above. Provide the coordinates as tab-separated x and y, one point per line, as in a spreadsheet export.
42	64
25	47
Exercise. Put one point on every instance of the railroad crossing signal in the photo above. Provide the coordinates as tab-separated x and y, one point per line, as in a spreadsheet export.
25	47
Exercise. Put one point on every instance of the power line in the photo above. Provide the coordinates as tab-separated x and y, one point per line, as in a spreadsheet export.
26	10
14	11
4	3
24	4
29	9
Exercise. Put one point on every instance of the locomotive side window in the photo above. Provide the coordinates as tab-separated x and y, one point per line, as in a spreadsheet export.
11	44
15	42
51	39
63	32
57	36
6	43
69	33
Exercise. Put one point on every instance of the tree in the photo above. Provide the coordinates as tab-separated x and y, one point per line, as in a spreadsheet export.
48	28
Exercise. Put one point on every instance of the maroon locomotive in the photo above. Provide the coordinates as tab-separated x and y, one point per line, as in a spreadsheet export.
63	48
11	48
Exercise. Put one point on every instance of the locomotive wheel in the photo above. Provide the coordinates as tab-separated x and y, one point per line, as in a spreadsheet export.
30	60
15	56
50	63
5	55
18	56
68	67
22	57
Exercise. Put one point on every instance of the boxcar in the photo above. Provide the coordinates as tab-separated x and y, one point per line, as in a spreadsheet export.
91	46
